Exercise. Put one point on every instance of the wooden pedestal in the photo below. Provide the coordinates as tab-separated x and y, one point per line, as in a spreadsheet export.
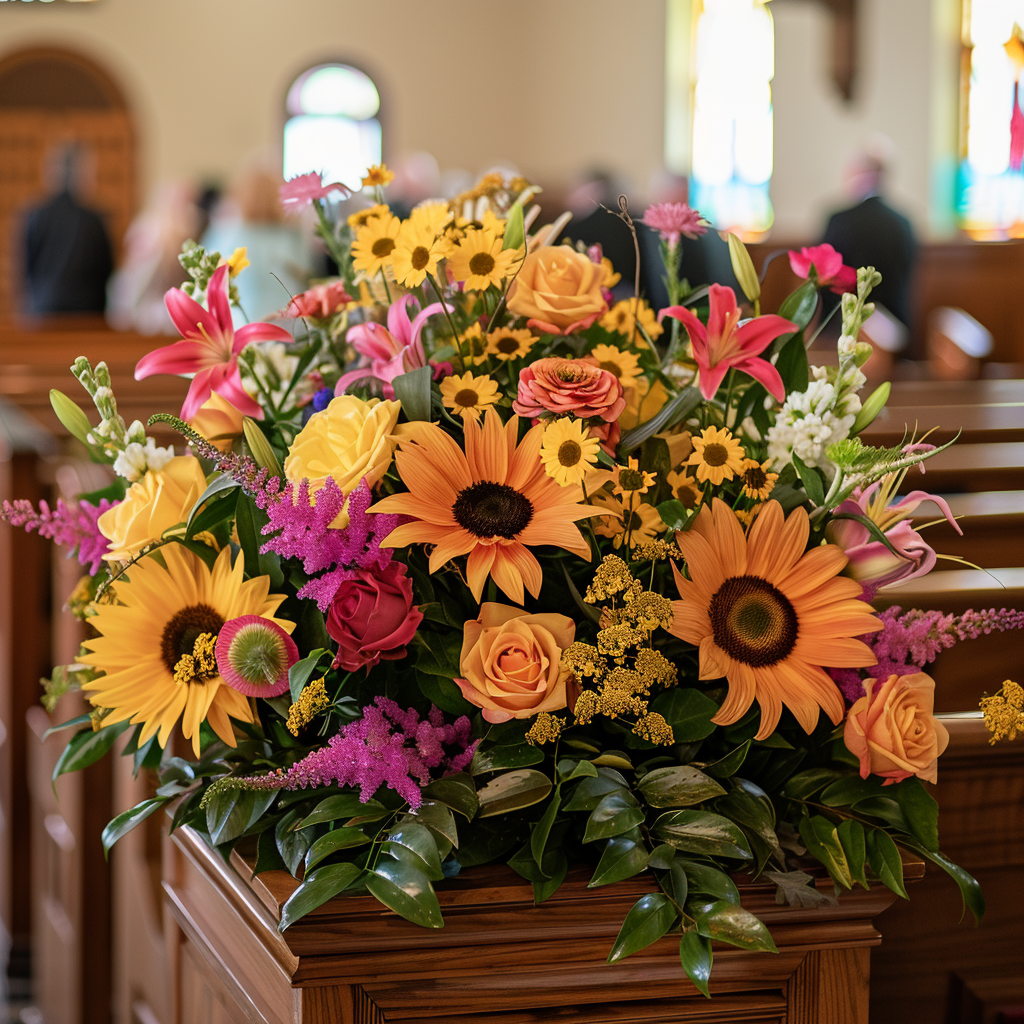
498	960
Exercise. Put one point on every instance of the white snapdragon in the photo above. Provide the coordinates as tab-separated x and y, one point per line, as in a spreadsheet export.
136	459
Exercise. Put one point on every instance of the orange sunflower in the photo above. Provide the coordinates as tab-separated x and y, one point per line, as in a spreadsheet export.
493	502
766	614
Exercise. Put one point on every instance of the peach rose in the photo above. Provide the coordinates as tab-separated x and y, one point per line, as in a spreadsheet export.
564	386
892	730
511	661
218	421
558	290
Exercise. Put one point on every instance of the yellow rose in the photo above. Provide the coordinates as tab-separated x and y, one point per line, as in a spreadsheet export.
511	662
218	421
349	441
559	288
892	730
161	499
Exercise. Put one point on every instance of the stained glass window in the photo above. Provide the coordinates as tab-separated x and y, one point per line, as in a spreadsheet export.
332	125
990	180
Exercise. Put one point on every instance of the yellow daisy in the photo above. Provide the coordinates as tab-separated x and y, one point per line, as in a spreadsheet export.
473	343
623	314
431	218
747	515
508	344
374	244
757	481
467	394
153	644
363	217
611	279
237	261
415	255
636	526
567	451
685	489
630	479
623	365
377	176
491	222
717	455
479	260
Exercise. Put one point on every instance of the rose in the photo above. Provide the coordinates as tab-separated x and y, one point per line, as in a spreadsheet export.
350	441
558	290
892	730
161	499
826	266
511	662
373	617
563	386
319	302
218	421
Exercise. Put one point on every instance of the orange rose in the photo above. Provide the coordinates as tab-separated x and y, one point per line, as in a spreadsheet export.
558	290
218	421
892	730
511	661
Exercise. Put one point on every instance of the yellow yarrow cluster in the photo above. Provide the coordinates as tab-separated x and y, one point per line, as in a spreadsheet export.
311	702
1004	711
546	728
657	550
201	663
612	577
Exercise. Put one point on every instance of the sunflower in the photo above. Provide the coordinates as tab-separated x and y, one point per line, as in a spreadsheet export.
631	479
623	315
766	614
717	455
154	644
623	365
377	176
479	260
473	343
468	395
361	218
757	481
685	489
416	254
508	344
568	452
490	221
431	217
493	502
637	525
375	242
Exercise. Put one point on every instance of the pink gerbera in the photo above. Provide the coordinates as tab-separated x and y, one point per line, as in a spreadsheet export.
827	268
319	302
209	348
297	192
671	220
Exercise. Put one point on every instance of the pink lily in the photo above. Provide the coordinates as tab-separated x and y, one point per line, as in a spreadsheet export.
304	189
728	344
391	350
827	267
209	348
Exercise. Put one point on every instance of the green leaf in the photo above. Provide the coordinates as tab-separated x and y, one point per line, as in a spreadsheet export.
678	786
418	840
797	889
455	791
443	692
299	674
748	805
405	890
267	856
86	748
799	305
344	805
322	885
688	711
438	818
792	364
709	880
232	811
71	723
851	835
622	857
556	866
515	230
729	765
292	844
590	792
542	830
810	479
512	792
219	485
215	513
246	516
505	756
674	411
920	810
806	784
674	514
613	759
820	837
617	813
885	861
126	821
648	920
696	958
702	832
569	769
662	856
339	839
970	890
412	389
727	922
675	883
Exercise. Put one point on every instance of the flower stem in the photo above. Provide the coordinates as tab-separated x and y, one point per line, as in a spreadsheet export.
455	334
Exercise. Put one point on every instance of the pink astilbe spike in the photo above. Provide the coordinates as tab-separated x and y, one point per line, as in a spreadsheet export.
72	526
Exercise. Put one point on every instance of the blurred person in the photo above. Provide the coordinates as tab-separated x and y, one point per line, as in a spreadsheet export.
870	233
417	179
280	257
66	247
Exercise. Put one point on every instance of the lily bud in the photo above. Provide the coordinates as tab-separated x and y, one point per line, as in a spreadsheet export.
743	268
260	447
71	416
871	408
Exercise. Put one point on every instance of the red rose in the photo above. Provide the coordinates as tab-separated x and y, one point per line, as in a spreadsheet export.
564	386
373	617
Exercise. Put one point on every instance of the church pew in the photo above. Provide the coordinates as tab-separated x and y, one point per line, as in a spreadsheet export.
992	524
973	424
973	467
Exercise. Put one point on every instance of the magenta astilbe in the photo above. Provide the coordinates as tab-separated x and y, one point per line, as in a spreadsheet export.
386	747
71	526
303	531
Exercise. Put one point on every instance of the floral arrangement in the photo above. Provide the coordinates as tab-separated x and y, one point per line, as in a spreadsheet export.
471	562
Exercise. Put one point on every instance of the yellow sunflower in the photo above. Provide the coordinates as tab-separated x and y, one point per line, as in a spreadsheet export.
363	217
637	525
473	345
431	218
757	481
623	315
631	479
491	222
416	254
468	395
765	613
685	489
568	451
153	644
623	365
717	455
374	244
479	260
507	344
378	176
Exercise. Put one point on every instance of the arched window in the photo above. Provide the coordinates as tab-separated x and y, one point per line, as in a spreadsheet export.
332	125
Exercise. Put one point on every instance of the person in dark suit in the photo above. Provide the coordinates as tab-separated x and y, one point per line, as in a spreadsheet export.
872	234
68	257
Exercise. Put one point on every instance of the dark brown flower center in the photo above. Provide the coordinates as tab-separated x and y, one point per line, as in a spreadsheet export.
752	621
687	495
569	453
507	345
716	454
488	509
481	263
631	479
383	247
755	478
467	398
612	368
180	633
420	257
